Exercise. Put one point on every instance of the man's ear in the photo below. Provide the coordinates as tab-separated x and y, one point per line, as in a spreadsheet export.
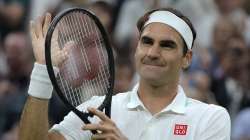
187	59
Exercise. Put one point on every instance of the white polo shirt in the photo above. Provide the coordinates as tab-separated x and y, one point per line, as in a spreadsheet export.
183	119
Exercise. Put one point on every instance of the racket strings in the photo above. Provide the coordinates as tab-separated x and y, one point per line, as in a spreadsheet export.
75	91
64	83
68	90
103	75
80	34
87	65
102	66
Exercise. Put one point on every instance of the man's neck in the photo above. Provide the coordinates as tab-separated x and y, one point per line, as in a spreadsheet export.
156	98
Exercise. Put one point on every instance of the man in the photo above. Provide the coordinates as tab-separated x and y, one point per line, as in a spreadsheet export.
13	16
155	109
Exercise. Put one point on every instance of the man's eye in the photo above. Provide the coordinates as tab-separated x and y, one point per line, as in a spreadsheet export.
146	41
168	45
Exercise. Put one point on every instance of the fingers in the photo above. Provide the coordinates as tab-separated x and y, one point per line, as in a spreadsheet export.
100	114
69	44
99	127
58	56
46	23
32	30
38	27
104	136
105	131
106	128
41	25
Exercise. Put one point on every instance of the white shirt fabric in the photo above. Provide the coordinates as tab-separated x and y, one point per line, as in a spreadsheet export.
201	121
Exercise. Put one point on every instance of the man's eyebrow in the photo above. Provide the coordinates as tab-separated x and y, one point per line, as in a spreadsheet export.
146	38
168	42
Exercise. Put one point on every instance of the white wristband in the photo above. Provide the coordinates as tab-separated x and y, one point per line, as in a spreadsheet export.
40	84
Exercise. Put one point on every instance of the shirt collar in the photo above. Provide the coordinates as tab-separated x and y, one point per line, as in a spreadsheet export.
134	100
178	105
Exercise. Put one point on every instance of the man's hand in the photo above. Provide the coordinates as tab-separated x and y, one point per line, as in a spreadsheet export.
38	31
106	127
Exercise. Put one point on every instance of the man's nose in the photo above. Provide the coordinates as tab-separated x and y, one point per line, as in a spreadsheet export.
154	51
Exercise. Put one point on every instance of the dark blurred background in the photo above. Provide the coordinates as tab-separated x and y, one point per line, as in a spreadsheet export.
219	74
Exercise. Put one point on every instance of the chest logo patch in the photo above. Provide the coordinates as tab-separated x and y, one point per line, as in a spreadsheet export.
180	129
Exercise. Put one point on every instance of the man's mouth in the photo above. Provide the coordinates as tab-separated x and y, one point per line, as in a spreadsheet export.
152	62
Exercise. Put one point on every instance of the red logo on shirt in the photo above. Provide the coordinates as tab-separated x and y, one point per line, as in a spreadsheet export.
180	129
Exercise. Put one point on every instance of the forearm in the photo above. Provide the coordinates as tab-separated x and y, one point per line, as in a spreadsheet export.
34	122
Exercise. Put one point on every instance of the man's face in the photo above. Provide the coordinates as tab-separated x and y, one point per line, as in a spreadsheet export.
159	54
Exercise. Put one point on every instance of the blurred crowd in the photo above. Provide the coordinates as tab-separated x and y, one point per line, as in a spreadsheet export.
219	74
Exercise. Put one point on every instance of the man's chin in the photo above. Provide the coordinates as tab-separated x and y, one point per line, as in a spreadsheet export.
155	80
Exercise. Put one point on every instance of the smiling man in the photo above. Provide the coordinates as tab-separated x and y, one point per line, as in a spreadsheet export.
157	107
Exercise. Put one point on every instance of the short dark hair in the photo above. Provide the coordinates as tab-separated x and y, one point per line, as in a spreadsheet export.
145	17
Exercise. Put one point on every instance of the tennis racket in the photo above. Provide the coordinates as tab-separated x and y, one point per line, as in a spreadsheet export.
78	45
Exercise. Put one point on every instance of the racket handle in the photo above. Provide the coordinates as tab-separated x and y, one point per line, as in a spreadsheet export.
93	132
84	119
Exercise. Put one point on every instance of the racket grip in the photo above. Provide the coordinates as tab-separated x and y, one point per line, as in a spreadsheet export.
93	132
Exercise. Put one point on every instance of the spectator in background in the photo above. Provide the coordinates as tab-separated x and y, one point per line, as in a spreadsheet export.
13	14
130	12
13	86
246	6
104	11
6	89
198	87
244	77
222	31
245	69
19	58
226	87
3	65
196	9
124	73
241	126
64	4
12	134
231	9
39	7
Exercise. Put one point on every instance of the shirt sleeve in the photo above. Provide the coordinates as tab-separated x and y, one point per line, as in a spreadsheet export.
215	124
71	126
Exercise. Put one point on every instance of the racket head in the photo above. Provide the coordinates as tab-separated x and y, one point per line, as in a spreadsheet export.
56	27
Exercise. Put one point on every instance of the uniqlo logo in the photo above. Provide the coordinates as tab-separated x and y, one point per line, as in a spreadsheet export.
180	129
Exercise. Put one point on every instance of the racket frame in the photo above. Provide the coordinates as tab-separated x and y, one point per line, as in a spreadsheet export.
106	104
